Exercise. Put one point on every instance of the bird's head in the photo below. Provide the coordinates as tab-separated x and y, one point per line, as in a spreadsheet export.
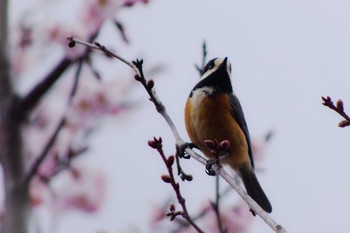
216	74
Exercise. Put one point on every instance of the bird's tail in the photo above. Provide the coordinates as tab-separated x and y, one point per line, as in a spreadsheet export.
254	189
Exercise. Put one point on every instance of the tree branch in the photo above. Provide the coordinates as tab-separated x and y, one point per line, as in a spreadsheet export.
15	219
170	178
31	100
149	86
34	169
204	59
216	205
327	101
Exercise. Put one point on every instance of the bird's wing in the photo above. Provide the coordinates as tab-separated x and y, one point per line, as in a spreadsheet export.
238	115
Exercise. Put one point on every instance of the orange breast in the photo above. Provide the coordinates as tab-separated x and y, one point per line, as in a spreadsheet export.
208	117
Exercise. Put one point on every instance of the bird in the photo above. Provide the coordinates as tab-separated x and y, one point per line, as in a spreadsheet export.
213	112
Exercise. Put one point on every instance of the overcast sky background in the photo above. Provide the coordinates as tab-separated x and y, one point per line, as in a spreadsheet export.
285	56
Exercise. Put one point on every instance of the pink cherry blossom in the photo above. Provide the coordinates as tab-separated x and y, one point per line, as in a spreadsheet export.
132	2
81	188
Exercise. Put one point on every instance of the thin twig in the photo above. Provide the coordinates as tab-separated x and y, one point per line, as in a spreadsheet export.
204	59
97	46
34	169
76	80
218	149
339	108
205	53
31	100
170	178
180	142
216	205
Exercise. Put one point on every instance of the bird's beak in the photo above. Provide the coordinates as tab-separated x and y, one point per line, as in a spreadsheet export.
224	64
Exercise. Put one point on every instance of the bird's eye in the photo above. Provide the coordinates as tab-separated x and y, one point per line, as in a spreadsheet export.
210	65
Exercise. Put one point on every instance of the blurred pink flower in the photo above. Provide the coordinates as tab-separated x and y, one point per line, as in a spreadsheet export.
58	32
157	215
132	2
236	220
38	192
94	12
82	189
259	146
93	101
48	168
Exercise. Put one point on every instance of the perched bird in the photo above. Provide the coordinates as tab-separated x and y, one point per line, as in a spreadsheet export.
213	112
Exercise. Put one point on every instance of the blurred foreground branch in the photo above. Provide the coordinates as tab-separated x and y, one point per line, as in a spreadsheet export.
15	219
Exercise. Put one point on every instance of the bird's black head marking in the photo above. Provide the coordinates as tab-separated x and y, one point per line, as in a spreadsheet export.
216	74
210	65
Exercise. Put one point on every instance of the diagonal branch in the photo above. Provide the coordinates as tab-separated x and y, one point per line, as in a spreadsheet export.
34	169
149	86
30	101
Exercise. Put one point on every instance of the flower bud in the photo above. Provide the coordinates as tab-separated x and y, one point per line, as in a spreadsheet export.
170	161
166	178
150	84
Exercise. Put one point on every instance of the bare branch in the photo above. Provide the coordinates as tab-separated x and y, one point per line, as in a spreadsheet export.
72	41
170	178
34	169
121	29
149	86
339	108
76	80
216	205
31	100
218	149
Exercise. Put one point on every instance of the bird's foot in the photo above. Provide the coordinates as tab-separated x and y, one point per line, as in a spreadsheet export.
209	166
211	162
182	149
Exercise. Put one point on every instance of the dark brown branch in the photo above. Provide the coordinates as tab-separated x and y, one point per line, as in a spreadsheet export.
148	85
31	100
201	213
339	108
34	169
121	29
16	201
170	178
76	79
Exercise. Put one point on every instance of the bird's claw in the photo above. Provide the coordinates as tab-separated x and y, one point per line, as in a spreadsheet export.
183	147
209	166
